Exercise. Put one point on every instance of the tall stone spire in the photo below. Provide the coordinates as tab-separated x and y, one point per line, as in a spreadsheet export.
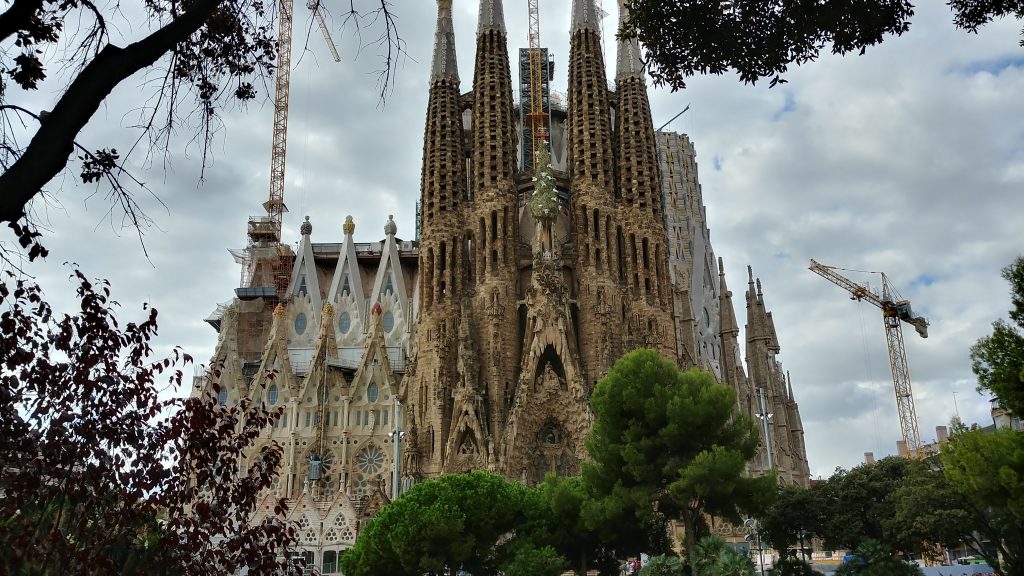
492	224
726	312
494	130
639	184
629	63
589	117
732	370
639	199
492	17
445	64
442	240
591	165
585	16
443	184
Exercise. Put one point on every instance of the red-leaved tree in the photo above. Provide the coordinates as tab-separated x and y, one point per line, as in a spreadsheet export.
100	473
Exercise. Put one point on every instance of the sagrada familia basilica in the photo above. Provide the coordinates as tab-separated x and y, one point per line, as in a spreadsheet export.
482	339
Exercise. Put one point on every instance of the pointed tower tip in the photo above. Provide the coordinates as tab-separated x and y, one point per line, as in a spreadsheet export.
445	64
629	63
721	266
492	17
585	16
750	274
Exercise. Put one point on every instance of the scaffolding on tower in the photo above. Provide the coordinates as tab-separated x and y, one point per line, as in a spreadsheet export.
535	70
267	264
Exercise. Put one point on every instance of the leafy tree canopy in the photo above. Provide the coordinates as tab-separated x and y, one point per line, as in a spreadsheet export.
478	522
761	38
792	566
872	558
712	557
663	565
796	510
566	499
666	442
998	359
987	469
857	501
927	510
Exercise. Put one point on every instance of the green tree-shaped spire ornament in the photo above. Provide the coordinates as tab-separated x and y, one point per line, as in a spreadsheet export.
544	202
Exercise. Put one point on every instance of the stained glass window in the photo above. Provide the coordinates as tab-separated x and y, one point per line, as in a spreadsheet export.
300	323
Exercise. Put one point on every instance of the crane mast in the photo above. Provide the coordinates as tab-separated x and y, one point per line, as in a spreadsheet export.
274	205
537	117
893	312
268	230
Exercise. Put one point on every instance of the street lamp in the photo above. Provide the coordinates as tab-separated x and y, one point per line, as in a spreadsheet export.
755	534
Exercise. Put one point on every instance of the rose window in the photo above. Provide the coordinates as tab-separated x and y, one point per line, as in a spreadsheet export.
370	461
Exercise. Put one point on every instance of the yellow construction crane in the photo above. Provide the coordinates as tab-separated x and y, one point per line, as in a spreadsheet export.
893	311
269	229
537	117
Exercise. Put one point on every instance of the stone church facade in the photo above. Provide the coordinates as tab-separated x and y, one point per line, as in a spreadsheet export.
485	336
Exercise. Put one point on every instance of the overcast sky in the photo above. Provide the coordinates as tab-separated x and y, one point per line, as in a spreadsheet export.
908	160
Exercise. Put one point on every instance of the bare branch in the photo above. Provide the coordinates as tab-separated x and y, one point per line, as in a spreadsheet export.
47	154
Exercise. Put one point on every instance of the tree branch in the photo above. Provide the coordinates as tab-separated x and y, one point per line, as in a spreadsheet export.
15	17
51	146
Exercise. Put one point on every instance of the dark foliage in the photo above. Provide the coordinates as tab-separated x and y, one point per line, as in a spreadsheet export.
797	510
100	475
477	521
998	359
792	566
973	14
856	502
986	469
756	38
872	558
667	444
762	38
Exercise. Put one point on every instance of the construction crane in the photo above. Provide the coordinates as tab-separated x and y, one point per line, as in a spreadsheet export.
893	312
537	117
269	229
314	5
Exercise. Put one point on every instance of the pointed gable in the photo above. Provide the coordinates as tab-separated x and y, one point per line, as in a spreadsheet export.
275	358
389	284
304	281
346	293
